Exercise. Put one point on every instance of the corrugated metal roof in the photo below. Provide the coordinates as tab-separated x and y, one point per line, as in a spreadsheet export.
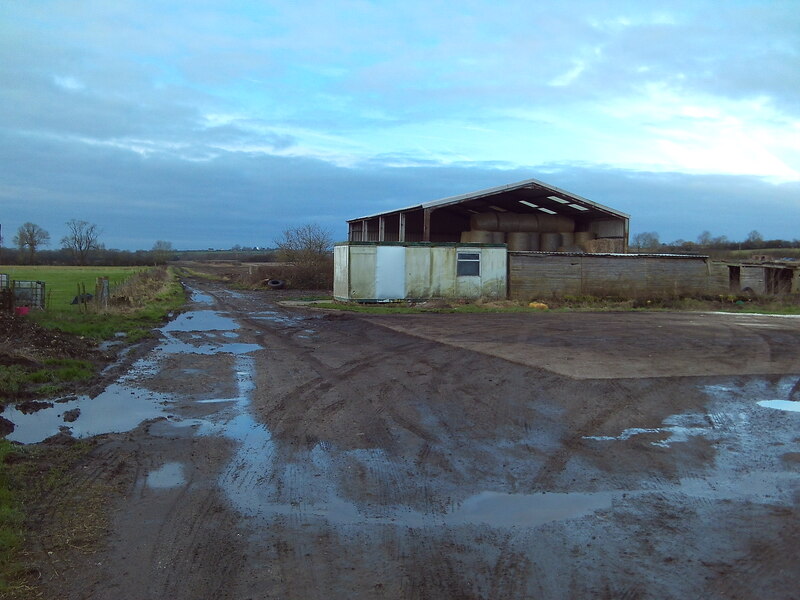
618	254
527	183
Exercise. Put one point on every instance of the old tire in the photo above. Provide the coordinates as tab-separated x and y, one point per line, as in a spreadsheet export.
276	284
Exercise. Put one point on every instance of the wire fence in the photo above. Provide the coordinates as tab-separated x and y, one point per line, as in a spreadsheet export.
22	295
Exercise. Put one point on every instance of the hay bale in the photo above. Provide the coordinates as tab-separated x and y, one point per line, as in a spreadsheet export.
605	246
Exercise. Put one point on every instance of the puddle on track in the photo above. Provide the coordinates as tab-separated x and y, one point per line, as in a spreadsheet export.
122	406
679	427
170	475
281	318
119	408
200	320
261	485
250	481
788	405
200	297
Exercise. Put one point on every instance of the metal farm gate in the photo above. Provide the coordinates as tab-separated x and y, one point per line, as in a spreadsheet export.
29	293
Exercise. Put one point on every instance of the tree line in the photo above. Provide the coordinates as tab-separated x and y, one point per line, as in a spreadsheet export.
649	241
80	246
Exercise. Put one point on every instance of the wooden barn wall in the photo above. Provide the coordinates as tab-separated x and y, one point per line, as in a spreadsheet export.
753	277
533	276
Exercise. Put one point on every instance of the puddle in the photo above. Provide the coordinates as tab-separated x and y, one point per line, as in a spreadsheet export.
119	408
255	447
122	406
108	345
170	475
679	428
258	485
200	297
216	400
789	405
200	320
277	317
498	509
175	346
682	427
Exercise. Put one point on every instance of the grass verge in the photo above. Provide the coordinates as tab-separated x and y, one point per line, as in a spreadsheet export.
35	370
62	283
208	276
136	306
45	380
38	478
777	306
35	479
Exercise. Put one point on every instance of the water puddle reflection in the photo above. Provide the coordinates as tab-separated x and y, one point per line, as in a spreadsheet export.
200	298
678	428
200	320
788	405
122	406
498	509
170	475
259	485
119	408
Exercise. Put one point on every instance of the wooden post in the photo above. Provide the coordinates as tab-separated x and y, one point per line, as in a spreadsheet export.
426	225
401	235
364	231
381	229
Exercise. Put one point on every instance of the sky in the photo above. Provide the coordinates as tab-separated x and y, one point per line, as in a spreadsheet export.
211	124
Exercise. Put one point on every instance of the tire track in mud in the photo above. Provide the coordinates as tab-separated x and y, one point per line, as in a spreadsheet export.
511	571
377	421
72	521
555	464
767	558
183	558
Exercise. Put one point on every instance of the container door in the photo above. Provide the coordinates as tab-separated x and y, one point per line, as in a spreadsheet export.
390	273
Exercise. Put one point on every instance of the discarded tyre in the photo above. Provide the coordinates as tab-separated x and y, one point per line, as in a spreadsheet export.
276	284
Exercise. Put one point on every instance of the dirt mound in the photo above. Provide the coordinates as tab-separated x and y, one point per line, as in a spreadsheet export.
6	426
25	343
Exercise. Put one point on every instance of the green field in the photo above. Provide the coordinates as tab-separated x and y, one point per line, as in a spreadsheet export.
61	283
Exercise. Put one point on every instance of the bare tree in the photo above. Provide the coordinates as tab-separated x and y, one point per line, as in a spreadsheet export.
162	250
82	238
307	243
705	239
308	249
754	240
28	239
647	240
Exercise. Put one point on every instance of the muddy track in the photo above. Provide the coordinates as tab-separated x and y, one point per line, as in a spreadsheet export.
304	454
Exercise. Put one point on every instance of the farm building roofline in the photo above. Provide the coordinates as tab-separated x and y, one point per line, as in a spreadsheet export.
530	195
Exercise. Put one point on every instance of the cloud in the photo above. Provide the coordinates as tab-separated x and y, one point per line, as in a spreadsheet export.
248	198
231	122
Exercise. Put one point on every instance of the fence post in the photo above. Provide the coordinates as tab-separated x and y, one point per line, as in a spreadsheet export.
101	292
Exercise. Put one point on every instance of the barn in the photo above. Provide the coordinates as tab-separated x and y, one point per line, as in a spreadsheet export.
523	241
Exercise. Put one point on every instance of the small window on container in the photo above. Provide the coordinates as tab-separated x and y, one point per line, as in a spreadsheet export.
469	263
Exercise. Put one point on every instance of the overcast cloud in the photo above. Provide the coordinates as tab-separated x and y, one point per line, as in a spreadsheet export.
210	124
